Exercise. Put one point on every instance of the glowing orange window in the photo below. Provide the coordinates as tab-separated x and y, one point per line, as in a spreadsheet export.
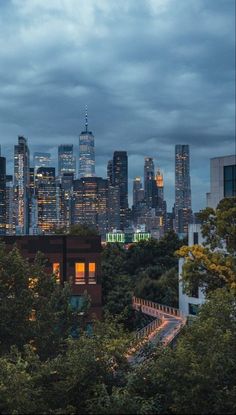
56	271
80	273
92	271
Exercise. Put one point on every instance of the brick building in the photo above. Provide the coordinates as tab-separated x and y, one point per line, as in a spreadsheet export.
71	258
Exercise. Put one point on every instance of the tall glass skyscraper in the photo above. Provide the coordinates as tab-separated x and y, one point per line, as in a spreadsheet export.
2	195
86	152
120	179
47	199
21	186
66	160
149	176
90	202
183	212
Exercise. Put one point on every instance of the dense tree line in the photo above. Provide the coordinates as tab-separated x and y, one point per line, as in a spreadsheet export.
148	269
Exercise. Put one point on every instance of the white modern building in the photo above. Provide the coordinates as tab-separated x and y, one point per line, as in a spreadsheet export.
189	305
222	179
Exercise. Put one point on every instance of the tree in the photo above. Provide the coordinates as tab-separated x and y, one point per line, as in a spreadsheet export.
206	269
210	266
147	253
34	308
198	376
220	225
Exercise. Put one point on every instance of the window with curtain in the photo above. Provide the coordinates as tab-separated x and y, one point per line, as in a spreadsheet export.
80	273
92	271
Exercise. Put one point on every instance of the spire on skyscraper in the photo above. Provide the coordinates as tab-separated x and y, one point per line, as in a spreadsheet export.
86	118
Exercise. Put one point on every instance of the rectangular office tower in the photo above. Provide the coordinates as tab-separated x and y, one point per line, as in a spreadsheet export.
86	152
47	200
2	195
120	179
149	176
21	186
89	205
223	179
66	160
183	211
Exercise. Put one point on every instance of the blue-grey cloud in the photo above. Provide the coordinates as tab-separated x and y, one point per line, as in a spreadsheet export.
152	72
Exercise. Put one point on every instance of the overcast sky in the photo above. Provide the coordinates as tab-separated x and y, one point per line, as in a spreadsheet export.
154	73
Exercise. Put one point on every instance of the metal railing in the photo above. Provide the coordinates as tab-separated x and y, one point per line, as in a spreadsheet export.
149	307
145	331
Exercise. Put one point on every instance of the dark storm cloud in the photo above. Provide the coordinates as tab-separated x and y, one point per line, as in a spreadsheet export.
152	72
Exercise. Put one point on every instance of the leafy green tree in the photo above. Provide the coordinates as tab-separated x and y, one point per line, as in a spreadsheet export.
34	308
157	287
206	269
198	376
220	224
147	253
53	317
211	267
16	300
69	382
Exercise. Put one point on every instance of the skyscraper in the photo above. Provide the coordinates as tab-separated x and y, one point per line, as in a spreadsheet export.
138	192
89	203
21	185
110	172
86	152
66	199
120	179
183	210
2	195
47	199
66	160
10	225
148	180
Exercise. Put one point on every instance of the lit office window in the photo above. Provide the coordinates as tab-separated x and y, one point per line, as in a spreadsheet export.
56	270
80	273
92	270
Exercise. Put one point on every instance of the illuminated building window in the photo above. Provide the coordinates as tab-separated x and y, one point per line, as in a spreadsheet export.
56	271
92	270
32	316
79	273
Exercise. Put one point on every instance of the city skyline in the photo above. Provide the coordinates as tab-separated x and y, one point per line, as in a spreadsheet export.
171	188
151	79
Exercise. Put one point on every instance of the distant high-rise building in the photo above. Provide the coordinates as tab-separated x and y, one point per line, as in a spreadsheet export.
89	205
2	195
21	186
160	185
223	179
10	225
120	179
113	207
32	202
148	180
138	191
66	160
66	199
183	212
47	199
41	160
86	152
110	172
